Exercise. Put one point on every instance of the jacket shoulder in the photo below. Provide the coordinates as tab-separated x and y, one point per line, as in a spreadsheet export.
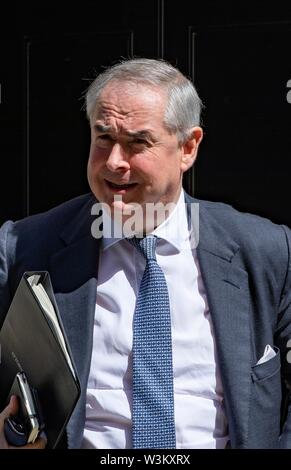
238	221
253	233
58	216
33	239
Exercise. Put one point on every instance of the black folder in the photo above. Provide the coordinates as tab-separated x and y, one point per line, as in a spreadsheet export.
30	342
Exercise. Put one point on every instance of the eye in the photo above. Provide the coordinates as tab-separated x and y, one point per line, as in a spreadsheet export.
104	141
104	137
140	142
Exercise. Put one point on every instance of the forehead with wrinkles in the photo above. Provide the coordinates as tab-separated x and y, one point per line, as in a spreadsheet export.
130	101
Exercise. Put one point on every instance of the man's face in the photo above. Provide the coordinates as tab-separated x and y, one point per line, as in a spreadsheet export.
132	154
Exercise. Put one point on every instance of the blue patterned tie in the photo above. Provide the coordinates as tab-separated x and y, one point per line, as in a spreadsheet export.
153	396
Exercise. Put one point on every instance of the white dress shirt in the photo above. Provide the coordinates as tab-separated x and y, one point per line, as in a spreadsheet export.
198	395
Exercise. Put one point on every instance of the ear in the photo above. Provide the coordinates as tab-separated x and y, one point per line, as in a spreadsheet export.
190	148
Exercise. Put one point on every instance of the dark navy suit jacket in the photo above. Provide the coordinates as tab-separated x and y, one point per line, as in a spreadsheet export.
245	264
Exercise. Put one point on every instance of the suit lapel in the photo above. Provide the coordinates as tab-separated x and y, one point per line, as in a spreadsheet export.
227	290
74	276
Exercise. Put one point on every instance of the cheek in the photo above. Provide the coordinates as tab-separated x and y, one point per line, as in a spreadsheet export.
149	166
156	172
140	165
94	166
97	157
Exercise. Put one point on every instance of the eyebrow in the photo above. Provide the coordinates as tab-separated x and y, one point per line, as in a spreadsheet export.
102	128
144	133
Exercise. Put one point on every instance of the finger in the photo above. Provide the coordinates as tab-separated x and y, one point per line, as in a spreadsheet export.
10	409
40	443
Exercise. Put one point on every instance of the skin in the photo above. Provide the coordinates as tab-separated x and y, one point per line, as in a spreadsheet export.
130	144
10	410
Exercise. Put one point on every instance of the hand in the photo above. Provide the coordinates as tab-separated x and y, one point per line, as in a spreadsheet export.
10	410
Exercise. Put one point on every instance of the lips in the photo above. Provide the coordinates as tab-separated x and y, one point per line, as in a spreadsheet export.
120	186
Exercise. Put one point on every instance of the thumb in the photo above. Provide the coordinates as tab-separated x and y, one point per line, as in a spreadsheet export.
11	409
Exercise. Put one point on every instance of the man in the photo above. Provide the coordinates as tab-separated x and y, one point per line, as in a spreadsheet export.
215	371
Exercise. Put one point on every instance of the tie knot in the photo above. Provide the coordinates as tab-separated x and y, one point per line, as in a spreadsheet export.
146	246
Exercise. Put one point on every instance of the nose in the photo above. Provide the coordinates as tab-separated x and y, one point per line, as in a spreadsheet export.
117	160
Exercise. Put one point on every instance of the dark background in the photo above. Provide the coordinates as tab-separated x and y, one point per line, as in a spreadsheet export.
238	53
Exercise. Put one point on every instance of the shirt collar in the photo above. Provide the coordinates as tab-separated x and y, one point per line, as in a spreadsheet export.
174	229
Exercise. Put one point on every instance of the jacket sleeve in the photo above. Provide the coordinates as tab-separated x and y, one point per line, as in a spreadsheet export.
5	255
283	340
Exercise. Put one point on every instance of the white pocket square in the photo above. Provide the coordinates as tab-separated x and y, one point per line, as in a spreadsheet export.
268	354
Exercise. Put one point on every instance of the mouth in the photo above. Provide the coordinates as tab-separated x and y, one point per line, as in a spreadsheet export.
120	188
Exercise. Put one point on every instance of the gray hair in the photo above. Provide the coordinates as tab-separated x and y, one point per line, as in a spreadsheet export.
184	105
